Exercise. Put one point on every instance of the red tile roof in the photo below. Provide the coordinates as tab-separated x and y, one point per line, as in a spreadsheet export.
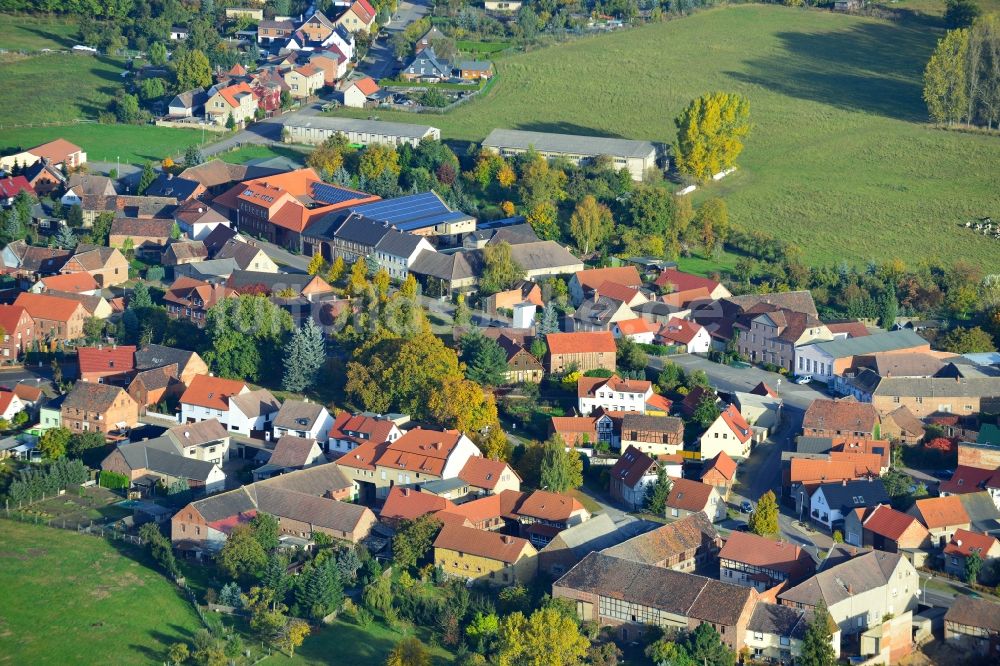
230	93
587	387
490	545
595	277
366	85
10	186
878	447
420	450
764	390
364	10
722	464
106	359
632	466
811	471
5	399
737	424
10	317
546	505
581	343
965	542
854	329
684	281
659	402
74	283
56	151
27	392
636	326
410	504
942	511
679	331
364	456
689	495
618	292
573	428
212	392
480	510
889	523
763	552
967	479
484	473
360	428
43	306
847	416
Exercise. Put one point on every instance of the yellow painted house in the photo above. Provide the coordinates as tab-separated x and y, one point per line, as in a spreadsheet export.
497	559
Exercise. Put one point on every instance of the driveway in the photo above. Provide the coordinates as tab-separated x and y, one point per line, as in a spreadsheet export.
381	60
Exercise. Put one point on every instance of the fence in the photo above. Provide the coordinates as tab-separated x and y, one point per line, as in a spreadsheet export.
106	529
54	123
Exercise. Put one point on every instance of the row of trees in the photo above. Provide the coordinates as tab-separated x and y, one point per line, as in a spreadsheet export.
962	78
33	482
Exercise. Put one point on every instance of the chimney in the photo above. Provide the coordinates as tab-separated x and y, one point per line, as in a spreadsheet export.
406	492
958	542
507	539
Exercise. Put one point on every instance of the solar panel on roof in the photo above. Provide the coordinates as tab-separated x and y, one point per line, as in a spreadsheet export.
331	194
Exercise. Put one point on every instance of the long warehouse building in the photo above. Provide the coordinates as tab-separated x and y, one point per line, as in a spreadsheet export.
636	156
317	129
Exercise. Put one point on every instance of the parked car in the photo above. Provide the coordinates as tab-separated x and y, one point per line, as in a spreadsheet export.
943	473
803	379
746	506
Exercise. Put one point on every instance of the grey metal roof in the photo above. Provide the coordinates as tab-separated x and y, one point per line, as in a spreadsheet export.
439	486
570	144
406	130
544	255
870	344
161	455
805	444
360	229
944	387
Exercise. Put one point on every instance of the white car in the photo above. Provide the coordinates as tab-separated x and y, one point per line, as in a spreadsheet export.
803	379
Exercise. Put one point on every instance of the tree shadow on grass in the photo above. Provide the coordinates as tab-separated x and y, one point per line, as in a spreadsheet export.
61	40
871	67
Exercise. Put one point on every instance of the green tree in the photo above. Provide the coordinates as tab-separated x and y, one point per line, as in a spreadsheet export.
193	70
102	228
275	576
65	238
657	493
152	89
500	271
486	361
713	221
140	296
242	554
265	530
817	647
710	135
53	442
560	470
230	121
973	565
305	355
82	442
944	78
960	13
193	156
705	646
322	592
707	411
463	315
247	335
127	109
666	651
590	224
74	217
146	178
178	653
538	348
888	308
631	357
967	341
413	541
482	630
546	637
764	519
158	54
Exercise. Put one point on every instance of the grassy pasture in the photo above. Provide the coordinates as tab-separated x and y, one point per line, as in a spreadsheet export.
841	160
34	33
75	599
134	144
58	87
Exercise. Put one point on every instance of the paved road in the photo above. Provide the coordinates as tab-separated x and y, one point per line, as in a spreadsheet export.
381	60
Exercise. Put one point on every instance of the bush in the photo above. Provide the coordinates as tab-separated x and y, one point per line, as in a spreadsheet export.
31	484
113	480
598	372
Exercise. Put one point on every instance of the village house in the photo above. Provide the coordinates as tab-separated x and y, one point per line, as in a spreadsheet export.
83	184
761	563
305	80
71	283
248	256
44	178
179	189
236	101
612	394
427	67
186	364
636	329
574	543
584	282
681	288
474	70
831	502
155	388
687	497
485	477
269	31
963	544
599	313
302	419
10	405
359	17
837	418
653	435
191	299
689	544
580	351
825	361
19	331
490	557
974	624
776	633
290	453
161	461
631	596
208	397
884	528
332	63
188	104
105	264
806	472
358	92
98	408
415	458
762	412
178	253
690	337
860	591
720	472
772	336
55	318
522	366
729	433
11	186
942	516
147	237
632	476
252	412
924	396
350	431
198	219
112	364
305	502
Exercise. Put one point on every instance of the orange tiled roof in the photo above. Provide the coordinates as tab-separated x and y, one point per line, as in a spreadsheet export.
689	495
595	277
581	343
483	472
737	423
636	326
212	392
366	85
942	511
887	522
489	545
230	93
73	283
410	504
965	542
44	306
106	359
722	464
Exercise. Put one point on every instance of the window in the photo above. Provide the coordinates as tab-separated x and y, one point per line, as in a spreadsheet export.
673	513
785	640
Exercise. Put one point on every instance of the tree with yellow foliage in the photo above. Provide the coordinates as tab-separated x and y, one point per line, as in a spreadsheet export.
710	134
315	264
546	637
329	156
377	158
461	404
508	208
381	284
506	176
542	218
336	270
358	281
591	224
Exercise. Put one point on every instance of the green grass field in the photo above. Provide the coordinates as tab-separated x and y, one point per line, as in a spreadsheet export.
134	144
58	87
256	152
346	643
31	33
841	160
74	599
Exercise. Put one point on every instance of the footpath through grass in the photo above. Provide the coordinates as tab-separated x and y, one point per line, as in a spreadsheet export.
840	161
69	598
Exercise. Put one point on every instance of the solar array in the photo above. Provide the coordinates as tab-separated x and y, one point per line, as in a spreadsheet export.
332	194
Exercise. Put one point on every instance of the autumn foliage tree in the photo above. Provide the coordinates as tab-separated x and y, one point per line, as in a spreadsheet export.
590	224
710	134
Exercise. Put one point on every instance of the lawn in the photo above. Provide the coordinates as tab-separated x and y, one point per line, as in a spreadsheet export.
75	599
33	33
58	87
346	643
840	161
251	153
132	143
